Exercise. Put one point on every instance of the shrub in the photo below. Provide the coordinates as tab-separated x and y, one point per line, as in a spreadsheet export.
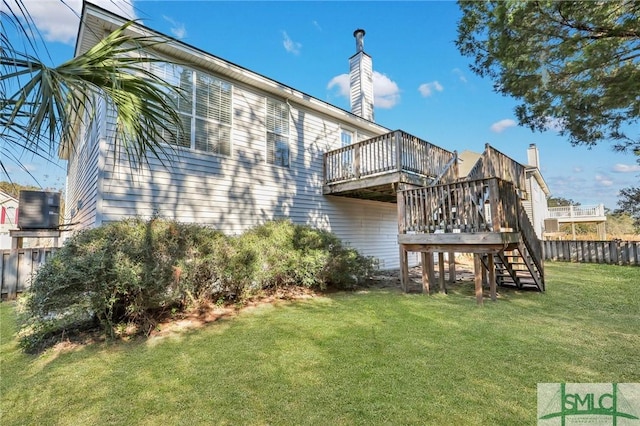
134	271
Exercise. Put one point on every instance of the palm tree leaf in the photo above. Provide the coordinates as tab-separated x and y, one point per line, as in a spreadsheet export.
49	103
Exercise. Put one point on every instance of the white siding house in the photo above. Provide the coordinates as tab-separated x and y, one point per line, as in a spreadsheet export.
254	152
252	149
8	219
536	203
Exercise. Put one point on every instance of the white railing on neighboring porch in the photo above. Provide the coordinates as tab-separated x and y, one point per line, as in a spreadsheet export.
567	212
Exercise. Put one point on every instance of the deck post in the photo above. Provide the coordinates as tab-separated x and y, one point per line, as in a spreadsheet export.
404	261
404	269
398	141
456	170
485	279
356	161
494	202
431	276
443	289
452	267
492	276
425	273
487	165
477	268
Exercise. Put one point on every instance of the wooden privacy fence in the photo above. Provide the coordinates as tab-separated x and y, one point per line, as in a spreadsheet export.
17	266
614	252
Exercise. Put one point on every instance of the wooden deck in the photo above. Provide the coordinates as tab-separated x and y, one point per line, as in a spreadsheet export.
377	168
440	212
484	217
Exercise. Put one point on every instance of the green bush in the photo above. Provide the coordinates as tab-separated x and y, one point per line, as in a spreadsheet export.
133	272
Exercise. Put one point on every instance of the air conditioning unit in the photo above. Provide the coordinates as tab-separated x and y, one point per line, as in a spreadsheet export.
551	225
39	210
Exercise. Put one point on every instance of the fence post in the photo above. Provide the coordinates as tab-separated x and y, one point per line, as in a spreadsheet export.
11	275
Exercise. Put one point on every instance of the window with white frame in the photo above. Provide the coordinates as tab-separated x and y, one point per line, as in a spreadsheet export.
204	107
277	133
346	139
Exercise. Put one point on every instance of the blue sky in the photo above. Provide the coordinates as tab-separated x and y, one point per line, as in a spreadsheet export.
423	85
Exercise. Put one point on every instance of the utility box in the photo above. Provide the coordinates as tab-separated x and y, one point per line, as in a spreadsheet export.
551	225
39	210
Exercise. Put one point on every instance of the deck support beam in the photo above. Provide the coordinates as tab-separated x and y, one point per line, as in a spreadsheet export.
492	276
443	289
404	269
477	272
425	274
452	267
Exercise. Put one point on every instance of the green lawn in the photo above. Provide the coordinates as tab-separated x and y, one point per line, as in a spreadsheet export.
377	357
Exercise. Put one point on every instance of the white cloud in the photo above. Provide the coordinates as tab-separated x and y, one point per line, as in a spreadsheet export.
342	83
626	168
58	20
177	28
317	25
427	89
386	92
577	169
604	180
502	125
290	45
460	74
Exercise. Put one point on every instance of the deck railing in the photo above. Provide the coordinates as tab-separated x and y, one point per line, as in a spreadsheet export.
493	163
483	205
395	151
567	212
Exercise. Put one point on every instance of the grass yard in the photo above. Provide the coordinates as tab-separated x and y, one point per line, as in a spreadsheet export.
377	357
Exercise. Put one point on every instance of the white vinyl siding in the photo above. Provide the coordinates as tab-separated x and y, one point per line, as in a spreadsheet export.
235	194
277	133
83	171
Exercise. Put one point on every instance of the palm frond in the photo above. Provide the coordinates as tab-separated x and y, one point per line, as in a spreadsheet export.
48	102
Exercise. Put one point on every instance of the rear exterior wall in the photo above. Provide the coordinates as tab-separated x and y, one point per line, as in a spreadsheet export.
233	193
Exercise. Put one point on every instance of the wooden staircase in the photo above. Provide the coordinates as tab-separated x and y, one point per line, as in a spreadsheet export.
516	268
520	266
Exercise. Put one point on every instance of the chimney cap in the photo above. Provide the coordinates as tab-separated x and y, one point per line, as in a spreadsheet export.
359	30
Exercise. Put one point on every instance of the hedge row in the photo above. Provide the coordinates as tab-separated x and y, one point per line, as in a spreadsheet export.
133	272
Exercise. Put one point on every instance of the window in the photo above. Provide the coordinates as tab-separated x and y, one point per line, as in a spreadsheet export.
213	115
346	138
277	133
205	109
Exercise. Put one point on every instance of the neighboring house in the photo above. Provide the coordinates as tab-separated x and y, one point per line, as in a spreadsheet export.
8	219
256	149
594	214
537	192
